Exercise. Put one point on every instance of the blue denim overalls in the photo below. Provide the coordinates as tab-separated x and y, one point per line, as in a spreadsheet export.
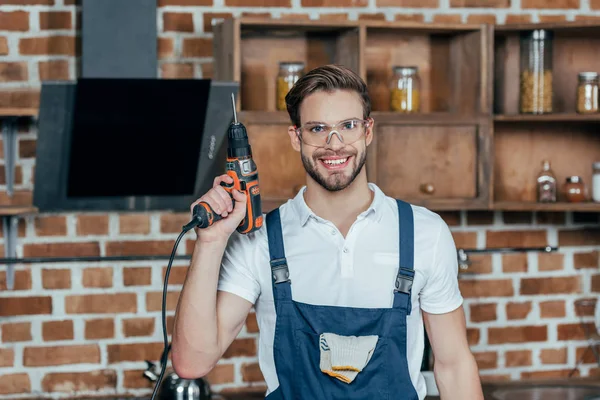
299	325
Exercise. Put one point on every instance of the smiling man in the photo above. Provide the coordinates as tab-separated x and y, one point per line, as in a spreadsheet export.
343	278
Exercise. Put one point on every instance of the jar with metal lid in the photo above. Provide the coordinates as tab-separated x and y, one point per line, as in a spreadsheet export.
596	182
289	73
405	90
575	189
536	72
587	92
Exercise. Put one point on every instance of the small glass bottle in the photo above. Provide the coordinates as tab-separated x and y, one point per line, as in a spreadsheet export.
289	73
536	72
596	182
405	90
575	189
587	92
546	184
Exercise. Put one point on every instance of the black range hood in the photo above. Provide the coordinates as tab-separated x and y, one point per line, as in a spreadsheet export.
121	138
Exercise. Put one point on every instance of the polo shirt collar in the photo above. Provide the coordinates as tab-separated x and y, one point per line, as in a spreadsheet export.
375	210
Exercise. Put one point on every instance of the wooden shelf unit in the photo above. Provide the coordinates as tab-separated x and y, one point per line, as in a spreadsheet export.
469	143
18	112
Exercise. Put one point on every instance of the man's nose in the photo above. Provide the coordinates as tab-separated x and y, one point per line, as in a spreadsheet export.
335	140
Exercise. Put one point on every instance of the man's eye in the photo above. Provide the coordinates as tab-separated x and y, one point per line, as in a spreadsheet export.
316	129
350	125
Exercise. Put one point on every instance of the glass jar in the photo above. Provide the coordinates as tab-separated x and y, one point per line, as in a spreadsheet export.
546	184
289	73
596	182
575	189
587	92
536	72
405	89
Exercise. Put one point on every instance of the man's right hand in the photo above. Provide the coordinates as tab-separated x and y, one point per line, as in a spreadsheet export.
232	211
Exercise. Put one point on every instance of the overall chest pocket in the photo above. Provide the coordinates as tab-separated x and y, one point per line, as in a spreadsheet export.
310	382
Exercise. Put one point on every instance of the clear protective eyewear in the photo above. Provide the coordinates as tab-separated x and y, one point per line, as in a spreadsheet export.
348	132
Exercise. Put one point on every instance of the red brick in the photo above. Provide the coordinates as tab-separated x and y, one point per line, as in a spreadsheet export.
579	237
251	373
103	328
176	276
486	288
57	330
27	148
486	360
81	249
595	4
56	278
92	225
263	3
53	45
372	17
16	332
408	3
170	323
595	283
544	375
197	47
50	226
3	46
518	310
221	374
495	378
241	348
137	276
518	358
172	222
549	4
573	331
101	303
138	327
586	260
79	381
135	379
473	336
514	262
178	22
55	20
554	356
10	306
177	70
7	357
134	224
480	3
165	48
550	261
520	238
154	301
134	352
483	312
555	285
414	18
480	264
553	309
208	18
481	19
447	18
163	3
18	180
517	334
100	277
13	72
585	307
465	240
22	280
14	21
61	355
15	383
141	247
19	98
552	18
251	323
207	70
586	355
27	2
55	70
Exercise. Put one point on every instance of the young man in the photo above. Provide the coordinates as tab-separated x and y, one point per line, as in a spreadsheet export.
341	277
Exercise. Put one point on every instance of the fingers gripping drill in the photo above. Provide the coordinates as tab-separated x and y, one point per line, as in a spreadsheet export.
241	168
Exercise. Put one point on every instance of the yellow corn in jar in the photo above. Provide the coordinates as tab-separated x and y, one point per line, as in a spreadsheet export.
587	93
405	90
289	73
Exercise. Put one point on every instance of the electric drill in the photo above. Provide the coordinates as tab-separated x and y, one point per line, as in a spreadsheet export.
241	167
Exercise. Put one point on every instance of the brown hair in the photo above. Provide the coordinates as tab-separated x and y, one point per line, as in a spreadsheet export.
326	78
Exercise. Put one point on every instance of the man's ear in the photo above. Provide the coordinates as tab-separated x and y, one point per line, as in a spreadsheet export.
296	143
369	132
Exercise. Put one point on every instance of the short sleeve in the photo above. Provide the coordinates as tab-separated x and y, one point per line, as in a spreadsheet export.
236	275
441	293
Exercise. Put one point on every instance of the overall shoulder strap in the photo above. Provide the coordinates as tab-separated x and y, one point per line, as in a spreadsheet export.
279	269
406	273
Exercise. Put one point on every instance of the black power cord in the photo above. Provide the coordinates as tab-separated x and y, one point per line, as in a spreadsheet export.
165	355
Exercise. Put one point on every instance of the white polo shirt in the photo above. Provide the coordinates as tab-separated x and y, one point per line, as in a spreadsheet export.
356	271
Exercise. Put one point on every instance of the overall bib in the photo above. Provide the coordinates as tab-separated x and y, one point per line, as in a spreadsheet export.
299	326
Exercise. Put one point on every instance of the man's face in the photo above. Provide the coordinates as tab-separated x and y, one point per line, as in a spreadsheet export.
335	165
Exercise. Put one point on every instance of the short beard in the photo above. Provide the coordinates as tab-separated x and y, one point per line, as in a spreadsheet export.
340	182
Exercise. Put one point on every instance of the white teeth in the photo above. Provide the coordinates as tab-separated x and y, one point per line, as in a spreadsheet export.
335	162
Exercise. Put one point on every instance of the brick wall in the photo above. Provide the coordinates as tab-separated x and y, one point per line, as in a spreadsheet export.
82	327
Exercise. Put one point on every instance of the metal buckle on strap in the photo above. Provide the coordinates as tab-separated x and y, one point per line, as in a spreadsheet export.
280	271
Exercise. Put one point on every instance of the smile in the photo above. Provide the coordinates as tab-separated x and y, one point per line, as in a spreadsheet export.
335	163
